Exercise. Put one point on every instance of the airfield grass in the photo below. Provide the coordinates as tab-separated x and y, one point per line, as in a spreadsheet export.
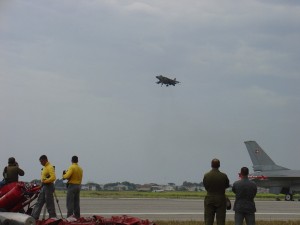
166	194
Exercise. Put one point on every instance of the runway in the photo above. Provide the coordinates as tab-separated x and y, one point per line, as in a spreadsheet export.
177	209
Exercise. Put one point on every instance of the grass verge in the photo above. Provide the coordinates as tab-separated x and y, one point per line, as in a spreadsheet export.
166	194
227	223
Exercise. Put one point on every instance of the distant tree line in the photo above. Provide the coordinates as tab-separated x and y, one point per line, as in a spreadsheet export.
126	185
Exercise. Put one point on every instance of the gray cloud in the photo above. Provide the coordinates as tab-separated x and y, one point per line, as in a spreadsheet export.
79	78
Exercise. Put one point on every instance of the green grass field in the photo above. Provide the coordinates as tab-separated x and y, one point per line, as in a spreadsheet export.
166	194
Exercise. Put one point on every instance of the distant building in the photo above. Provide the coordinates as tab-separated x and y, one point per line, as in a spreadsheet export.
144	187
85	187
90	187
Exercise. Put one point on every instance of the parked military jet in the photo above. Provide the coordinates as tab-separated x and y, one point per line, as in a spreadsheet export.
269	175
167	81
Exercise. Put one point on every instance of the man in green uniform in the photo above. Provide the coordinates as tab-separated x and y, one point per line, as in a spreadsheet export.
11	172
74	177
215	183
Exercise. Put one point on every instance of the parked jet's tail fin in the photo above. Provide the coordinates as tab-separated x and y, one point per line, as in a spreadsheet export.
261	161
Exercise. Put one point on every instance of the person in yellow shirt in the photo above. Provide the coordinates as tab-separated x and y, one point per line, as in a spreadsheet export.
48	178
74	176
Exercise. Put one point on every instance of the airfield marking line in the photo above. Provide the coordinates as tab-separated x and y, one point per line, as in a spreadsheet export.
178	213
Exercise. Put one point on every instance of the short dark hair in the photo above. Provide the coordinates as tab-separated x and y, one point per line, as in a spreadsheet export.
215	163
74	159
11	160
244	171
43	157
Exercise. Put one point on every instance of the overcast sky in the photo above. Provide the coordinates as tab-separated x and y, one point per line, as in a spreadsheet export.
78	78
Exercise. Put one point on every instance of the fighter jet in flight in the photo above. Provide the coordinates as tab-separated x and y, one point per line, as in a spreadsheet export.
267	174
166	81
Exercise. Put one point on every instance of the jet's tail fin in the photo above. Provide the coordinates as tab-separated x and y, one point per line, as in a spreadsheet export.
261	161
176	81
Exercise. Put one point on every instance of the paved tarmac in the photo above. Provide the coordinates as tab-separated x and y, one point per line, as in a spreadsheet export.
177	209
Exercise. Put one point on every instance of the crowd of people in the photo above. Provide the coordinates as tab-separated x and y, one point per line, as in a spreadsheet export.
214	181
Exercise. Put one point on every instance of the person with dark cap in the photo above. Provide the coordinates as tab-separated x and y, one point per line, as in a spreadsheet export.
11	172
215	183
48	178
244	206
74	176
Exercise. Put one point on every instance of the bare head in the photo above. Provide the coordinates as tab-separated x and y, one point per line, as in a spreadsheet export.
74	159
244	171
43	160
11	161
215	163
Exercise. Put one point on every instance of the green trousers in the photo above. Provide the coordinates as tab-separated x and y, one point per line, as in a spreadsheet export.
215	206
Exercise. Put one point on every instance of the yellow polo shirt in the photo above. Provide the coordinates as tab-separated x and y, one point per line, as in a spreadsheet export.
48	174
74	174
